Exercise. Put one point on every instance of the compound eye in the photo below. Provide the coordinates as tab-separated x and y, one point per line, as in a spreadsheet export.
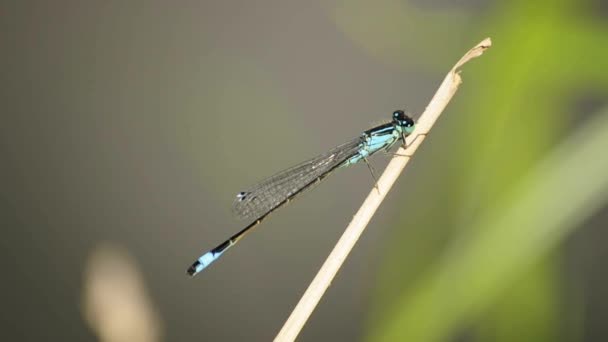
408	122
398	115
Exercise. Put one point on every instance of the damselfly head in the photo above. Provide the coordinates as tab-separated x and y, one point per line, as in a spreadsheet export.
403	120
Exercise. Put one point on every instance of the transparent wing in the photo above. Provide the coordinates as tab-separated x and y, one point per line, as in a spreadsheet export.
273	192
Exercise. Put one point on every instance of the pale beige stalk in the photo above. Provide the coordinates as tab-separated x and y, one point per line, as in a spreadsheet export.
328	271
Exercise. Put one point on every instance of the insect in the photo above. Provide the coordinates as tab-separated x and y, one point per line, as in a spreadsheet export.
274	192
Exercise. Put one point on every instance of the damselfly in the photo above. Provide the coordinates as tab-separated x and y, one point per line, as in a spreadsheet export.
270	194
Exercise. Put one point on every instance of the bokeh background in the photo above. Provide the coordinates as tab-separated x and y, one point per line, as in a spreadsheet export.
128	127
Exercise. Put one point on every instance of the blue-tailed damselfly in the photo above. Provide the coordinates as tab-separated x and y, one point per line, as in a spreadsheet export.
274	192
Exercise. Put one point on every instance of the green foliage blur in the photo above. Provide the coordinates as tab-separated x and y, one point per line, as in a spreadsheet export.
477	254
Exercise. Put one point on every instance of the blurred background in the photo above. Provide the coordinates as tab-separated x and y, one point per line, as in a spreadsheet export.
128	128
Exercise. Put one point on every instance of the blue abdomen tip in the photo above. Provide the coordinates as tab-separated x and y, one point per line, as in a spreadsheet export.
202	262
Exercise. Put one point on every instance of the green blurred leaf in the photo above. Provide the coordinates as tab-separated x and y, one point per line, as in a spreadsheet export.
515	105
507	239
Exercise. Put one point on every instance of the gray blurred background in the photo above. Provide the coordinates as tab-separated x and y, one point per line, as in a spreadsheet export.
129	127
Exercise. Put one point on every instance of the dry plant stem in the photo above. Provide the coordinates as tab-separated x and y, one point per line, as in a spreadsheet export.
323	279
